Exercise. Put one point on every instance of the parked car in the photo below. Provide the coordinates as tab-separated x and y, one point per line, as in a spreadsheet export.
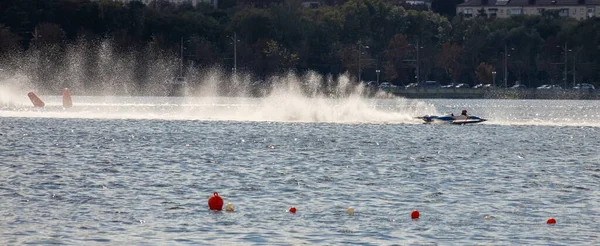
384	85
372	85
463	85
549	87
483	86
431	84
387	86
518	87
449	86
584	86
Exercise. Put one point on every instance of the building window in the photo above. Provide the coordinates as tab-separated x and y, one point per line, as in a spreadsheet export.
501	11
540	11
564	12
515	11
468	12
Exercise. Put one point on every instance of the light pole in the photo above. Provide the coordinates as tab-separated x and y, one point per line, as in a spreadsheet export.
565	50
505	66
181	58
377	71
234	40
506	56
494	79
418	61
360	46
575	53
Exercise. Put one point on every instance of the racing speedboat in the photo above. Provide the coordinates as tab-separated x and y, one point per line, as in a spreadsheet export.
451	119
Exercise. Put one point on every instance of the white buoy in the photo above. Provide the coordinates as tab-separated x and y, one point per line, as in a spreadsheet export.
229	207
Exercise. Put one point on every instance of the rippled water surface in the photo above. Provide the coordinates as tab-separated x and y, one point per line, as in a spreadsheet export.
137	173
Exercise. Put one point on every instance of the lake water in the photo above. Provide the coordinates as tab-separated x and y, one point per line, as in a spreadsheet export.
130	171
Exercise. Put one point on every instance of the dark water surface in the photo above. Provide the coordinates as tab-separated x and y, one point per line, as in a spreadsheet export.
146	181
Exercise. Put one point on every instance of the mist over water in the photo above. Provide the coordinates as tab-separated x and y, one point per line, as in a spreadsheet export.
107	83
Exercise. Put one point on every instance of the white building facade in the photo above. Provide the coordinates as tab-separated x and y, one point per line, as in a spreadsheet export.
577	9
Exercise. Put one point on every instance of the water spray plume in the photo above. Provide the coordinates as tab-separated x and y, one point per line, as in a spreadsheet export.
103	79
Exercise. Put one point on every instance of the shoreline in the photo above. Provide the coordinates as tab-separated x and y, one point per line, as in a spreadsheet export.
470	93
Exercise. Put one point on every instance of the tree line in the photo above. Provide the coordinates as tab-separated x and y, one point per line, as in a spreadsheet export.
371	37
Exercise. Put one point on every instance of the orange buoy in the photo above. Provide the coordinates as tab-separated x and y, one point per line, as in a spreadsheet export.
415	214
66	100
215	202
293	210
551	221
37	102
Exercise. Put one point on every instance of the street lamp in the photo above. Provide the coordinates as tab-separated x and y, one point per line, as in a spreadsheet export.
377	71
506	56
181	57
575	53
565	50
417	47
494	79
234	40
360	47
418	61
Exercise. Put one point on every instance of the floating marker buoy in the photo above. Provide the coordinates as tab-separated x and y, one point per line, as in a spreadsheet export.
487	217
292	210
415	214
37	102
350	211
551	221
215	202
66	100
229	207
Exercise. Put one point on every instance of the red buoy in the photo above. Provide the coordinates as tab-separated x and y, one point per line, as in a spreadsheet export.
551	221
415	214
66	100
215	202
293	210
37	102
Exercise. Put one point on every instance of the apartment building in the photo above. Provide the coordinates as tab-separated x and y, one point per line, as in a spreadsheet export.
193	2
578	9
419	2
410	2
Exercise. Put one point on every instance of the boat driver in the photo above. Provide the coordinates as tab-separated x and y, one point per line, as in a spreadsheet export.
464	112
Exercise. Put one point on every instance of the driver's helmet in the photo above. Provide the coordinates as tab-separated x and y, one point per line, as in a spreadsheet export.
464	111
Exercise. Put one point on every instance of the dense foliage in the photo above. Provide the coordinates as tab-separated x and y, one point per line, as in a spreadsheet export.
344	36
